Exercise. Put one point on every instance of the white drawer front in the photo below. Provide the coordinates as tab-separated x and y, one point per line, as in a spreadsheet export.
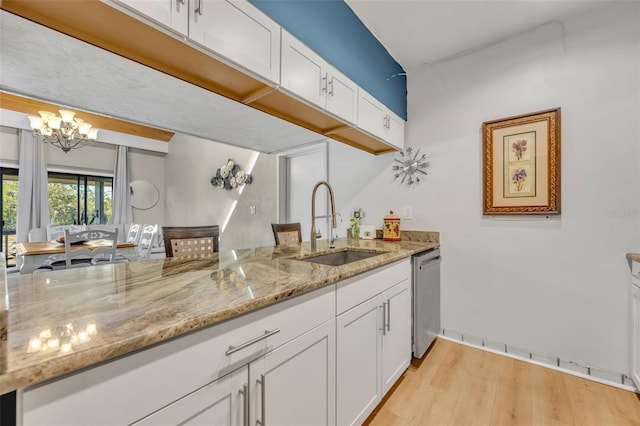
160	375
355	290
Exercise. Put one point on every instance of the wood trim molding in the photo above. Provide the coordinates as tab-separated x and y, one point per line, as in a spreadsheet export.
32	106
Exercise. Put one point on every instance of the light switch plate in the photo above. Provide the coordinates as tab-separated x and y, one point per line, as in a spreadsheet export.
408	213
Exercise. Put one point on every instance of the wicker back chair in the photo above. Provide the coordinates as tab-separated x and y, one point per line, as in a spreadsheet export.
180	241
286	233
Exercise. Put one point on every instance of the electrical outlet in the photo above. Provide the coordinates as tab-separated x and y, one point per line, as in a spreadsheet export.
252	209
408	212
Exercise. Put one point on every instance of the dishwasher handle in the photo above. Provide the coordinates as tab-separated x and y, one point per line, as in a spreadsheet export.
433	260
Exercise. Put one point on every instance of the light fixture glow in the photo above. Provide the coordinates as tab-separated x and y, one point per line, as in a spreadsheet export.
63	131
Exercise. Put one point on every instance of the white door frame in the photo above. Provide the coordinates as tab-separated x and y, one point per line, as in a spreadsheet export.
283	185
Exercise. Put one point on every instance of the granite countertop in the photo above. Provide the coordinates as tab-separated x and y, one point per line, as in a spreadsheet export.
111	310
634	257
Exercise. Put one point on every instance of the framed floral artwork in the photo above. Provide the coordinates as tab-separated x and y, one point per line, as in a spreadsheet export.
521	164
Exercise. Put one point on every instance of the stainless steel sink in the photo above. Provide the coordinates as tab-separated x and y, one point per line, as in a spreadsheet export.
340	257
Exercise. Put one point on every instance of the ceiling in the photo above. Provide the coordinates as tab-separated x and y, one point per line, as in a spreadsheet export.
423	32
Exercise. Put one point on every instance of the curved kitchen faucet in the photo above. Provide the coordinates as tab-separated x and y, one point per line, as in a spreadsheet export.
313	214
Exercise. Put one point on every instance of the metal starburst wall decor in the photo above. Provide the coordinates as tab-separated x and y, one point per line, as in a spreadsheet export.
412	166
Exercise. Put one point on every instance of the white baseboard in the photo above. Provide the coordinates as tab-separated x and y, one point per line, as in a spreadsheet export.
628	385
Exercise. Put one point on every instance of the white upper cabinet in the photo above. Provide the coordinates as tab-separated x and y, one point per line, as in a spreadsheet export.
395	130
372	115
305	74
238	31
173	14
342	95
380	121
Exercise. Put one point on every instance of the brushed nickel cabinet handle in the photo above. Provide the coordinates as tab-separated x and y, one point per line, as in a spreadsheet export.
389	315
263	400
241	346
245	404
198	9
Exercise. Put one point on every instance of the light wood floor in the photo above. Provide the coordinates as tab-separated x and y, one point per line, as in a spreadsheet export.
458	385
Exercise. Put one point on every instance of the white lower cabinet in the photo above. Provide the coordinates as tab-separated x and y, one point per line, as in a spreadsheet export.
635	323
292	385
396	338
359	365
373	341
223	403
295	384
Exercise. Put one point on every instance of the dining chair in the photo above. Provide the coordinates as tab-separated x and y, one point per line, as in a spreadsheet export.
145	243
182	241
83	256
135	232
287	233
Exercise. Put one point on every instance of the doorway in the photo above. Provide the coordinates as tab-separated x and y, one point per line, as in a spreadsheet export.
300	170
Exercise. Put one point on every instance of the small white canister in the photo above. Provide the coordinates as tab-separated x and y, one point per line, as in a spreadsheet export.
367	232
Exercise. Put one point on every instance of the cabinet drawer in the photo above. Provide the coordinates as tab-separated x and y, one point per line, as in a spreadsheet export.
355	290
163	373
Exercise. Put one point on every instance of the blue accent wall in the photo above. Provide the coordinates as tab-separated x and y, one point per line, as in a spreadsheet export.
333	31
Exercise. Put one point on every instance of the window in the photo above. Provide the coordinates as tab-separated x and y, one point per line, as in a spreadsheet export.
73	199
79	199
8	214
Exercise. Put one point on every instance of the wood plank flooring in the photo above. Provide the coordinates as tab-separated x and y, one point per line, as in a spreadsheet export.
458	385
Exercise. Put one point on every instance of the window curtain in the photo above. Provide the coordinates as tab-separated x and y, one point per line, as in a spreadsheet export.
121	208
33	192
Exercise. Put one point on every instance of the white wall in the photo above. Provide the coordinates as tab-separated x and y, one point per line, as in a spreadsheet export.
149	166
191	199
8	146
557	285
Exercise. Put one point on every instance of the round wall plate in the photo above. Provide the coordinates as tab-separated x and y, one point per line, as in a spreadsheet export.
144	195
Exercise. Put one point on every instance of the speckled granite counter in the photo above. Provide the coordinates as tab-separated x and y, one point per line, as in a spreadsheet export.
112	310
634	257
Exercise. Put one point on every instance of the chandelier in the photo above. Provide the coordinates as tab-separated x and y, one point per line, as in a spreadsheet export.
63	131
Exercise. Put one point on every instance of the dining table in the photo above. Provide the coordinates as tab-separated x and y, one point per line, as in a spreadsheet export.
30	256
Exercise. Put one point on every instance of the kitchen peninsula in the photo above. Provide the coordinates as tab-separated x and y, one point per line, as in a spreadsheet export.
122	312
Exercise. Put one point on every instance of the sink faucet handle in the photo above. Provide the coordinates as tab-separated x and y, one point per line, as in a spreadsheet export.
318	235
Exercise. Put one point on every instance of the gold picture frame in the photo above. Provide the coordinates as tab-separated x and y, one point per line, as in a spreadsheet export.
521	164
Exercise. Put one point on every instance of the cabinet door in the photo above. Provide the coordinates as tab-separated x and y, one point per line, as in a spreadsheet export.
295	383
371	115
396	335
238	31
635	326
223	402
342	95
173	14
359	384
303	72
395	130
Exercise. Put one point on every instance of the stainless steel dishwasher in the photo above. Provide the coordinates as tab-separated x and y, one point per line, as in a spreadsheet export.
426	300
